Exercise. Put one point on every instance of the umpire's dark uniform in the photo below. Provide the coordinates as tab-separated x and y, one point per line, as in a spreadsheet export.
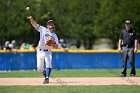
128	38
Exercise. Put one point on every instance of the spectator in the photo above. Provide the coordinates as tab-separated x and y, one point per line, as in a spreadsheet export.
13	44
0	47
6	46
27	46
78	44
32	47
62	43
22	47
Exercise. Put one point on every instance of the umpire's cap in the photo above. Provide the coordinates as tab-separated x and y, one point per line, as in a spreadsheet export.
128	22
50	21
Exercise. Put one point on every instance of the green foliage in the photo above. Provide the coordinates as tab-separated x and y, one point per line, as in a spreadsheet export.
13	22
75	19
112	15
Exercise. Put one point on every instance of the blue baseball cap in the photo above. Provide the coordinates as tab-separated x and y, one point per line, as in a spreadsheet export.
50	21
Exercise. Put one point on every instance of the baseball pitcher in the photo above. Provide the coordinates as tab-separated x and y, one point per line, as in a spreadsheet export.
48	40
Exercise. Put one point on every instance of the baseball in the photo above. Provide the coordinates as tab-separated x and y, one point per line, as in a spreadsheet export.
27	8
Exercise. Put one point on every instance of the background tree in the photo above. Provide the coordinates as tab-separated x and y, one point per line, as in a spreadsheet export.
75	19
112	15
85	20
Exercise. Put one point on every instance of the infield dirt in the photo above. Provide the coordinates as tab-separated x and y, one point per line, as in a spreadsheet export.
72	81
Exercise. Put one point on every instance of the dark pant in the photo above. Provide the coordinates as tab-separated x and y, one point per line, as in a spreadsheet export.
128	53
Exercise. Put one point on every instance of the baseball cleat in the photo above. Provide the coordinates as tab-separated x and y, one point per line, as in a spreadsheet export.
123	75
46	80
132	75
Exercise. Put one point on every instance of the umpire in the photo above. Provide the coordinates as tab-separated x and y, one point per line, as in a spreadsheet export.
128	45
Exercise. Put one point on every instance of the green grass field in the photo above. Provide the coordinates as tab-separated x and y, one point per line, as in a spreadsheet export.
70	89
70	73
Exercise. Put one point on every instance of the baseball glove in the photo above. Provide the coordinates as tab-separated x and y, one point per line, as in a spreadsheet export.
50	41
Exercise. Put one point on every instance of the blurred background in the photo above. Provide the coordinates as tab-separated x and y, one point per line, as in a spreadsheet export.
80	24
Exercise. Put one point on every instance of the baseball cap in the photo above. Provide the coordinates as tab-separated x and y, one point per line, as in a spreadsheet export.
50	21
128	22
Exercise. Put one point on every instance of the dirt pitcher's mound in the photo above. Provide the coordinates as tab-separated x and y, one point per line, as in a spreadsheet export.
72	81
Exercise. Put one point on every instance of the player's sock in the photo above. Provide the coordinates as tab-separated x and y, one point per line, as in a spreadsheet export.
48	72
44	73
